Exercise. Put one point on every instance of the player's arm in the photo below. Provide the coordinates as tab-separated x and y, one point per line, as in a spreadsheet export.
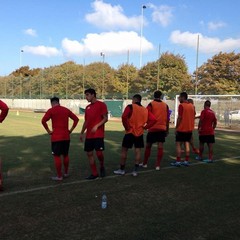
200	121
84	127
215	123
125	116
179	118
75	121
4	111
46	118
102	122
168	120
151	120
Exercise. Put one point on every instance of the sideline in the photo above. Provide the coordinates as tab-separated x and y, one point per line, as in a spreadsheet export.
108	177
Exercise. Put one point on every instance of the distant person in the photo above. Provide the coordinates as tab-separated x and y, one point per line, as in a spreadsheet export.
158	132
60	135
184	128
206	126
96	115
135	119
226	117
4	111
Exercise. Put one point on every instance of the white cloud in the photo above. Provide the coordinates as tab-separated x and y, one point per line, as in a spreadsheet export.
216	25
30	32
162	14
106	16
206	44
42	51
111	43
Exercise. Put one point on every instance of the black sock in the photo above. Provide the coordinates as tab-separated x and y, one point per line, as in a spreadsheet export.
122	167
136	167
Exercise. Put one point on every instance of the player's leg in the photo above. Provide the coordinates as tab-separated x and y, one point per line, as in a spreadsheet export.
138	145
88	148
147	153
137	153
201	148
160	140
56	152
187	151
194	149
210	151
159	155
178	151
123	158
127	143
66	160
99	147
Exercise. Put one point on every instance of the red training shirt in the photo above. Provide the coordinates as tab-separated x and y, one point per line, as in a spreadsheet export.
208	119
94	113
60	122
4	111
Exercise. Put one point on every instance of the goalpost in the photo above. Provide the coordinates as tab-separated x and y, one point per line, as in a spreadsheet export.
226	107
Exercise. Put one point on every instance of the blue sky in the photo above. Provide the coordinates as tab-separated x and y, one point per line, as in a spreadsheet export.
53	32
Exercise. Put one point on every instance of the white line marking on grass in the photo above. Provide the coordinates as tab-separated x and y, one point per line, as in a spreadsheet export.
108	177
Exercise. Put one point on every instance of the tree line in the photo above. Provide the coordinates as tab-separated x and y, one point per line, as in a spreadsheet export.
169	73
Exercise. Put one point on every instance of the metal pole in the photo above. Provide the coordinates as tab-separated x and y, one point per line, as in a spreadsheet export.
20	74
83	79
141	36
196	76
127	73
158	72
103	59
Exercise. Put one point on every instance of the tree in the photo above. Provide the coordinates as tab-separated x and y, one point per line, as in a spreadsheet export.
126	75
220	75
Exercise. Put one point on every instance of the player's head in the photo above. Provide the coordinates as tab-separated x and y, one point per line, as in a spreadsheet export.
190	100
207	104
137	98
54	101
183	97
90	94
157	94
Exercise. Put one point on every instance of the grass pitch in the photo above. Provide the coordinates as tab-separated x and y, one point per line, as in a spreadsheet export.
197	202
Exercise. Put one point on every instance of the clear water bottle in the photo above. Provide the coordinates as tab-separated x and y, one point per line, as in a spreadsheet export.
104	201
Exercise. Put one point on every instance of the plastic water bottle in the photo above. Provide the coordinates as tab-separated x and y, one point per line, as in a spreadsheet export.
104	201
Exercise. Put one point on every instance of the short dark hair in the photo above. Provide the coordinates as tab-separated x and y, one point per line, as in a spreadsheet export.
91	91
190	100
184	95
54	99
157	94
138	97
207	103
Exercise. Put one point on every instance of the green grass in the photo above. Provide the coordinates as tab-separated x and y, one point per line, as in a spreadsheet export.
200	202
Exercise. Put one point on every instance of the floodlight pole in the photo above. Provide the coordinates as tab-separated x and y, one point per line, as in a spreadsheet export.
83	79
196	72
103	60
20	65
158	67
127	73
141	36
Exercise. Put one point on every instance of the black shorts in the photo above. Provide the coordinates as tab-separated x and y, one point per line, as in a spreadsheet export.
183	136
207	139
129	140
60	147
153	137
94	144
